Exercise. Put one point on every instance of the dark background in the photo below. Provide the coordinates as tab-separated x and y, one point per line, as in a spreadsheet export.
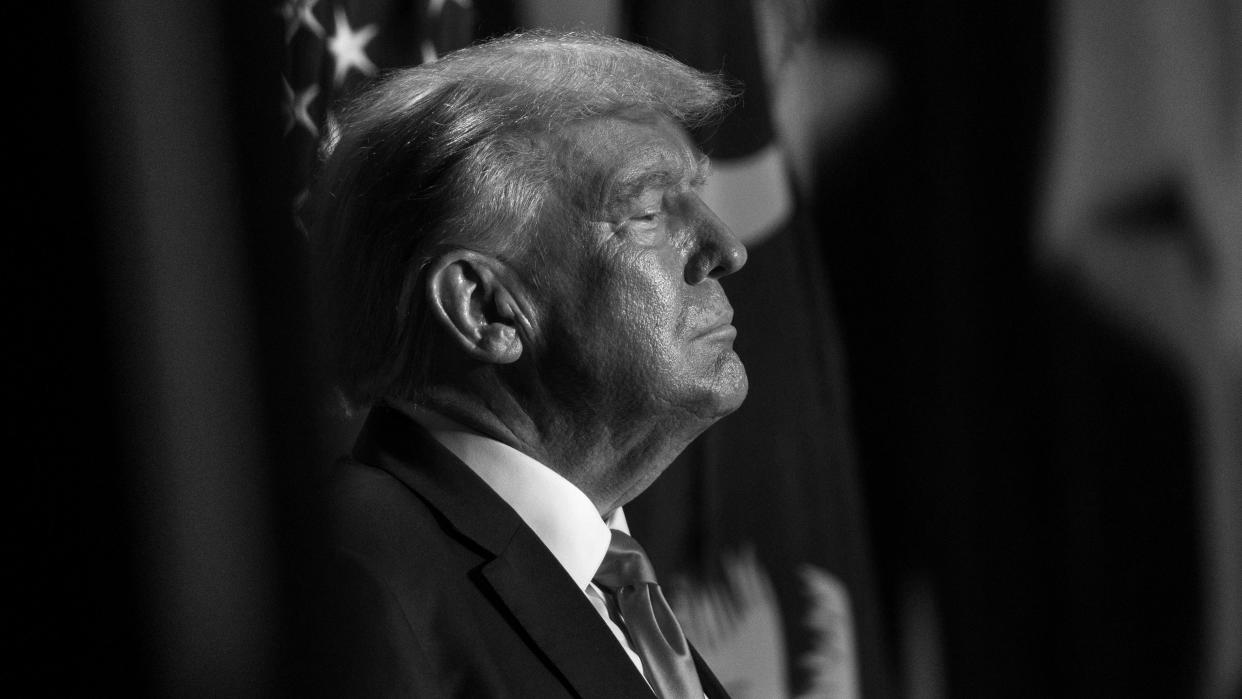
1023	457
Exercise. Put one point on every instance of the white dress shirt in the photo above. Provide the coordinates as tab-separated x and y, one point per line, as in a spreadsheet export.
560	514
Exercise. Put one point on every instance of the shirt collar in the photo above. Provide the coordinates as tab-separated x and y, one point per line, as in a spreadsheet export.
560	514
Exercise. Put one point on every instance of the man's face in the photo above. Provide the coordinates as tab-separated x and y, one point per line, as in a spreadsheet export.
637	324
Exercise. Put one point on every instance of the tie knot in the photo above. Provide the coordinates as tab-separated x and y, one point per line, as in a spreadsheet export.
625	564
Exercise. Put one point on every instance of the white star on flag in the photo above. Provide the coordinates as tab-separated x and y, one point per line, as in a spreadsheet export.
349	48
300	13
297	106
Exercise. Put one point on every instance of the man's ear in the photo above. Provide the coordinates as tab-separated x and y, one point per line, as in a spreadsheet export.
479	304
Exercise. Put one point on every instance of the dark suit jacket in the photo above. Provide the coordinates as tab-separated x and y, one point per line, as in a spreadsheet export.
435	586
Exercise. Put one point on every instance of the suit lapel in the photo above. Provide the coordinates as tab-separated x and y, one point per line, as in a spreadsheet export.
396	443
526	577
560	620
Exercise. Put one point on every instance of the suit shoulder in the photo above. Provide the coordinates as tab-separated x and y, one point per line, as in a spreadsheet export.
389	528
360	492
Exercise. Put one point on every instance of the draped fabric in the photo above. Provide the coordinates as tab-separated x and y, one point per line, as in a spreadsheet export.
1142	218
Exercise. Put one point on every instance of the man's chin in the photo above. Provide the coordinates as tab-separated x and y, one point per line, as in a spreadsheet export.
729	389
739	388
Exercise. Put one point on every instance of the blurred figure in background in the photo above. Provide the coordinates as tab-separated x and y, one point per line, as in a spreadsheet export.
1145	217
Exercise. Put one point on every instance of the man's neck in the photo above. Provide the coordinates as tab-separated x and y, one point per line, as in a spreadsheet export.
611	462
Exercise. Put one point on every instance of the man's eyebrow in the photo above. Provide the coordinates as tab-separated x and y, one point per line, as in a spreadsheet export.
627	187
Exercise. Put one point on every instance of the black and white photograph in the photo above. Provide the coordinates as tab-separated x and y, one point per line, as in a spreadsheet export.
689	349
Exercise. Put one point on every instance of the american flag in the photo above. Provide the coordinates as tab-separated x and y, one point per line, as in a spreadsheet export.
334	47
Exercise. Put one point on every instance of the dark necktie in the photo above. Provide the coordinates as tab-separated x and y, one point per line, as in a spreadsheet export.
665	653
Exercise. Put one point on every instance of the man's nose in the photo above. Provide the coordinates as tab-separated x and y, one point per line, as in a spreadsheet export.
718	252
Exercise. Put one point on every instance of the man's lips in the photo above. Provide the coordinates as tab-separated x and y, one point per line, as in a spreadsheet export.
720	332
722	327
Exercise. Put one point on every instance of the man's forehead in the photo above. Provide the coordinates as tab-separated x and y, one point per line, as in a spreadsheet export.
635	154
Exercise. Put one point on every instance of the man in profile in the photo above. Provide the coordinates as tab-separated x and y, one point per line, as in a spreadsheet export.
525	290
